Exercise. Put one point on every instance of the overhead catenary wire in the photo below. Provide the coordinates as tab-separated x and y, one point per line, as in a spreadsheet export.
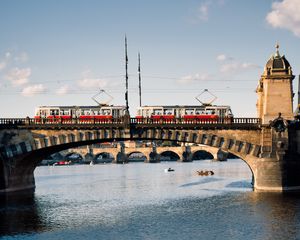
133	90
121	76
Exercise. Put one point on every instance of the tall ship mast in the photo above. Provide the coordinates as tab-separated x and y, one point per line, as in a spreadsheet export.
126	77
140	87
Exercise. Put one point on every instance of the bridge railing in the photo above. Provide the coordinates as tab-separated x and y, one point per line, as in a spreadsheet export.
58	121
12	121
136	121
227	121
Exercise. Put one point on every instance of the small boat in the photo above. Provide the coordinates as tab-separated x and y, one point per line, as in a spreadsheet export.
62	163
169	170
205	173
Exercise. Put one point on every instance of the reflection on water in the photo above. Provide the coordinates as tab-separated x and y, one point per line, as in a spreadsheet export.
142	201
19	214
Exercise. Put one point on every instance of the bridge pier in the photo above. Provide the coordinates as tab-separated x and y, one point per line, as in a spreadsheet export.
154	157
277	176
220	156
187	155
16	177
278	167
121	156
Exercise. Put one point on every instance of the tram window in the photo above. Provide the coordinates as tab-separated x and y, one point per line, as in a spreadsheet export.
222	112
106	112
168	111
199	112
157	112
41	113
119	113
144	113
189	111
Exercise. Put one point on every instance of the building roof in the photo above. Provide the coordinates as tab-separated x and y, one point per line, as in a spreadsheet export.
278	64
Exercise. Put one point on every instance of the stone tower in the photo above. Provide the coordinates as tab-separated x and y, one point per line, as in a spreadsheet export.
275	89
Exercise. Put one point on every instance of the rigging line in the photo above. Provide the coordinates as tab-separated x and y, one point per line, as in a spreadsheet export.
79	79
145	76
136	90
195	79
146	92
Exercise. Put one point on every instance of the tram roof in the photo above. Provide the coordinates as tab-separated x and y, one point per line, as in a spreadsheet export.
184	106
99	106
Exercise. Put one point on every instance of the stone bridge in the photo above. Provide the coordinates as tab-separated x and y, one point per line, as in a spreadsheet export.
151	153
260	146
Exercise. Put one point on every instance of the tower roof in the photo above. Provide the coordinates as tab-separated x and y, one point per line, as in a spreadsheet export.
278	64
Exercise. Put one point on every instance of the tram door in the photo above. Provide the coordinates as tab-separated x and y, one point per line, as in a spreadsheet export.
115	113
72	113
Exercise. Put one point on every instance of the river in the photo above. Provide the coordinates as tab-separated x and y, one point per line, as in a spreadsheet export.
142	201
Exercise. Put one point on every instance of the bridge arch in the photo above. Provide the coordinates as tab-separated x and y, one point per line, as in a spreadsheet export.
70	154
138	155
169	155
202	155
50	144
104	157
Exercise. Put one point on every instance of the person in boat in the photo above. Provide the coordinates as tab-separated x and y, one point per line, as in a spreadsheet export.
205	173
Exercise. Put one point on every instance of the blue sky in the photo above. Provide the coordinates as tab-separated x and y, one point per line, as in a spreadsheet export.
62	52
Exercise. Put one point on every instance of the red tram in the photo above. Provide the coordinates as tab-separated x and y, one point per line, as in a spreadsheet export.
208	113
101	113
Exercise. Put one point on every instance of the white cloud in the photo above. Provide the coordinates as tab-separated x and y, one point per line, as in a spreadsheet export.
285	15
63	90
236	67
202	11
7	55
22	57
19	76
92	83
221	57
88	82
2	65
5	61
194	78
33	90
